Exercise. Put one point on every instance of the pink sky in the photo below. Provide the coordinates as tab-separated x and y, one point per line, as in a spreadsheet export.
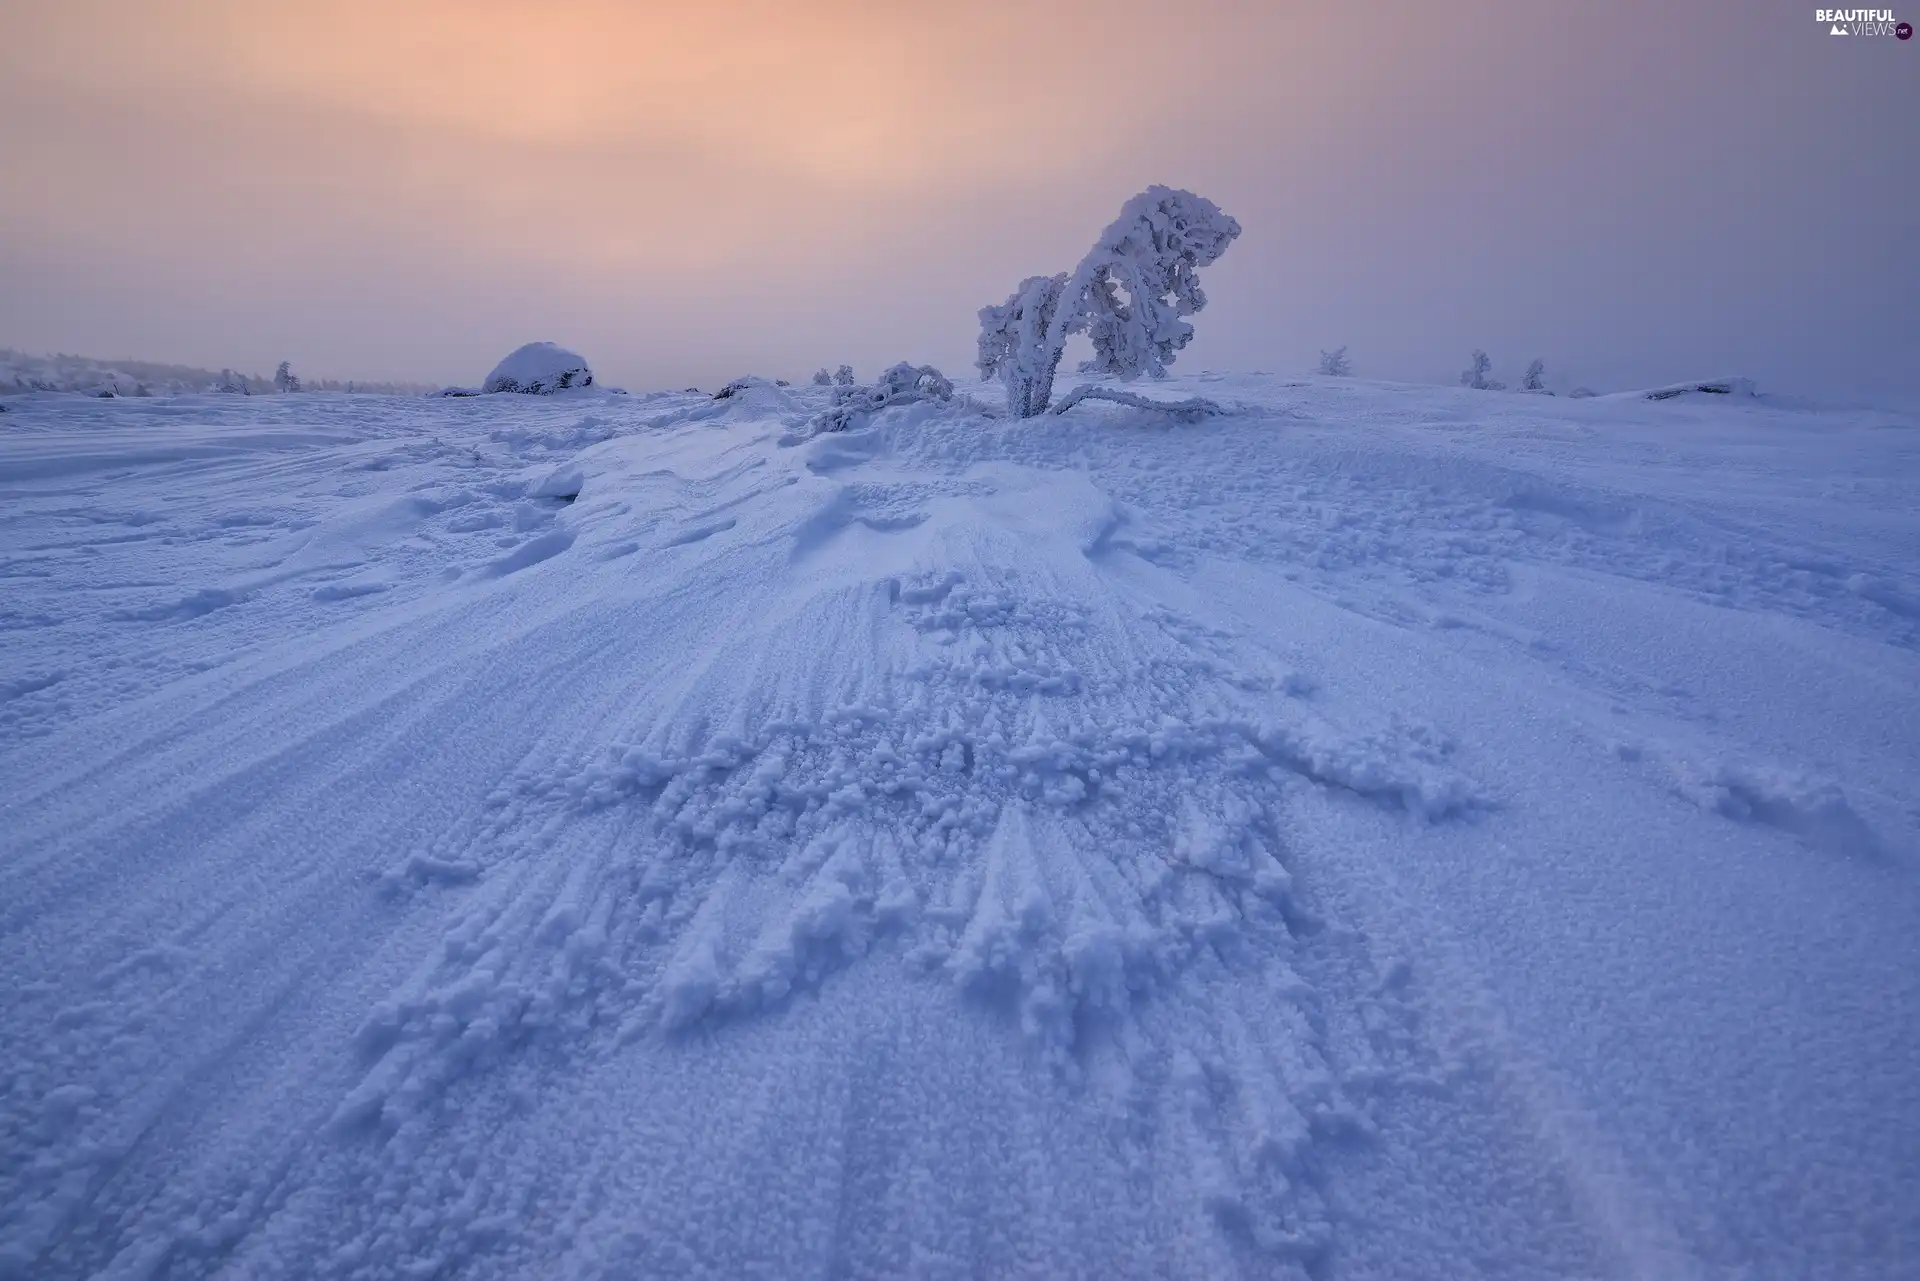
1633	191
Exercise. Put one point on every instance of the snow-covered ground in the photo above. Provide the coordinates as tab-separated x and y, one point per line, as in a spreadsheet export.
1383	832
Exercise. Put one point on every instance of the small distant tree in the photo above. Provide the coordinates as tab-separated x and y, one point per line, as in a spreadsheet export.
1130	296
822	378
283	379
1535	379
1334	364
843	376
232	384
1475	375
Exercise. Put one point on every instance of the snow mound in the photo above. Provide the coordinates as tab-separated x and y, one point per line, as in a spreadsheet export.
539	369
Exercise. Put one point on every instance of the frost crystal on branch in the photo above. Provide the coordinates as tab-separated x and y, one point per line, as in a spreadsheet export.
1130	296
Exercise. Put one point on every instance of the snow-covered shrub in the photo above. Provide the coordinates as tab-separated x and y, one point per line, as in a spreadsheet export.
821	378
539	369
903	384
1583	393
843	376
1334	364
1129	295
231	384
1475	375
449	392
1535	379
283	379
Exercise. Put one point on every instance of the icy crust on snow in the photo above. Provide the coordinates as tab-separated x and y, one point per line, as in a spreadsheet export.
537	369
1350	836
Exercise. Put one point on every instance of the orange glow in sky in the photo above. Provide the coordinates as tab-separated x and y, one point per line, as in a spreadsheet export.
691	191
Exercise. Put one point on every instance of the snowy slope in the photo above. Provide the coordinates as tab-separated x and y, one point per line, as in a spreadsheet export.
1382	832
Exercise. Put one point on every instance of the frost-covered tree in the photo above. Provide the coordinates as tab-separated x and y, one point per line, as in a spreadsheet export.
1017	343
283	379
1334	364
843	376
1130	296
1475	375
232	384
822	378
1535	379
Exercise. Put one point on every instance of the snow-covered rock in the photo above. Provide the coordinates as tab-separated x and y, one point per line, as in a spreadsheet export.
539	369
1707	387
746	383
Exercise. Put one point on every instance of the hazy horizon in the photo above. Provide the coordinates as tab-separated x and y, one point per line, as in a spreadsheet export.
1636	194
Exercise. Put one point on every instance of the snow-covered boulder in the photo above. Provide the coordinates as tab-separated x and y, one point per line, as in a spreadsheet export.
739	385
1709	387
539	369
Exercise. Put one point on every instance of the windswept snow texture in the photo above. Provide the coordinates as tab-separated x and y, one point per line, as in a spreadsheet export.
1375	832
